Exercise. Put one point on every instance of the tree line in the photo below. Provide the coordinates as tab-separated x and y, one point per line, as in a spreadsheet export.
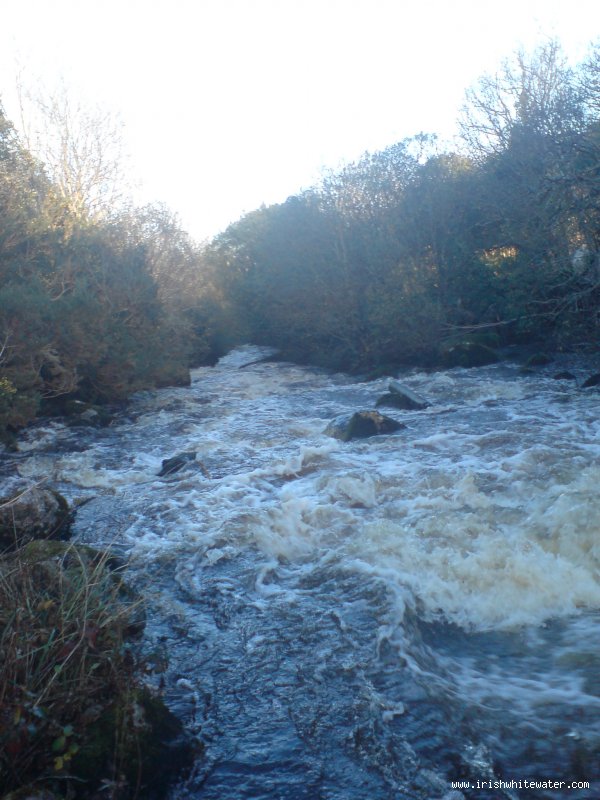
390	260
399	255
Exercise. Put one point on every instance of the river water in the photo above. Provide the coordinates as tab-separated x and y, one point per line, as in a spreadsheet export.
363	620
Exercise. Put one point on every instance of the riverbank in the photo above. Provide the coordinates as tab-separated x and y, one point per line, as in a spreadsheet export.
76	717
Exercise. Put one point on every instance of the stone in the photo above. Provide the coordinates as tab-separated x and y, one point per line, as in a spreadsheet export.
400	396
176	463
34	512
361	425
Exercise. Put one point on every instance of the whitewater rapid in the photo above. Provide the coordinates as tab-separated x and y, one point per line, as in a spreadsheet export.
368	619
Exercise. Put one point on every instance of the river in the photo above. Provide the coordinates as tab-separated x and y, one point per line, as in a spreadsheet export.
363	620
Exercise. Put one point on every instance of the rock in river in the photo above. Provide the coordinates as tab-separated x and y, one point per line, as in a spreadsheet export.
176	463
360	425
400	396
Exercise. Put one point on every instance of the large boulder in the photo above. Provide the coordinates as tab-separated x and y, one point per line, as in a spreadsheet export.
360	425
34	512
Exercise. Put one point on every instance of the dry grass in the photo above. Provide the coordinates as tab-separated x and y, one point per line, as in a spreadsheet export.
64	620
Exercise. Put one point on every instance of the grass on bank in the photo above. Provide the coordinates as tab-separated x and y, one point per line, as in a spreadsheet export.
65	618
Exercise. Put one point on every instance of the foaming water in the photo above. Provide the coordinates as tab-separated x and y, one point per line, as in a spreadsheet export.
366	619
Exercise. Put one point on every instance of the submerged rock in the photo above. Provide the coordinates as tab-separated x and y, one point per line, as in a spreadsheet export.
393	401
361	425
33	513
400	396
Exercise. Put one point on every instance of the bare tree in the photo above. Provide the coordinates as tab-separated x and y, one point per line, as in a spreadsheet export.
81	146
537	93
590	80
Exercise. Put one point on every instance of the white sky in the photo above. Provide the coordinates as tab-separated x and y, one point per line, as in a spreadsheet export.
231	103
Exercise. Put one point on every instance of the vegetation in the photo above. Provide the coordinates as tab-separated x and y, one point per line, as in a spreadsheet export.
75	715
88	307
413	251
410	255
72	712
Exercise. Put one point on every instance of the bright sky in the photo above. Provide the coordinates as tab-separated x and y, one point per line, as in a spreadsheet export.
231	103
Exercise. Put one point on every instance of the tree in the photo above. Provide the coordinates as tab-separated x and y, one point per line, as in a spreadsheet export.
81	147
535	95
589	82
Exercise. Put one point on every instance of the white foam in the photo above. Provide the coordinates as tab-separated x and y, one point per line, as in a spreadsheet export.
488	516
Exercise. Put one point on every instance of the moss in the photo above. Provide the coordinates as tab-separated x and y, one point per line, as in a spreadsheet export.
138	744
48	549
173	374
